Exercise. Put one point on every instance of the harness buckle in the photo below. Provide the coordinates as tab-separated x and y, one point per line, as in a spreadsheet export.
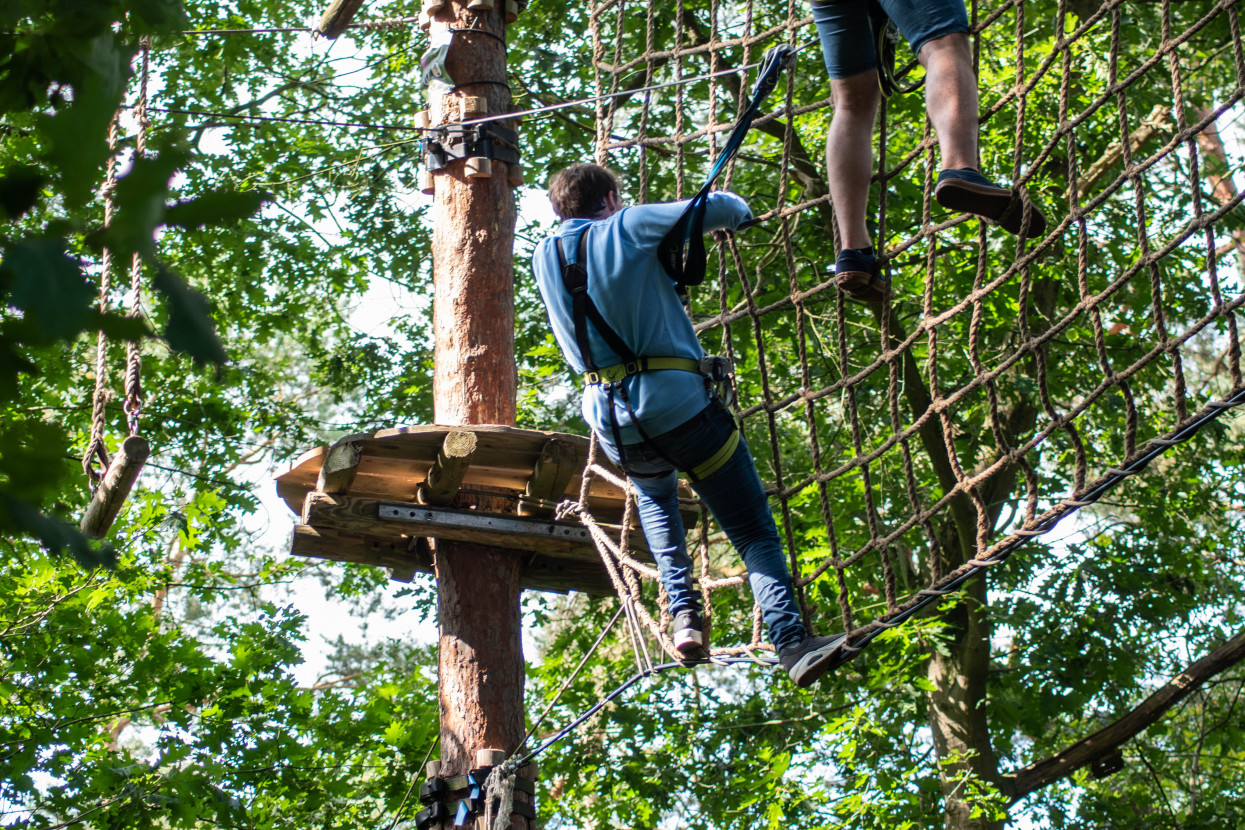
718	369
592	378
719	374
615	373
630	369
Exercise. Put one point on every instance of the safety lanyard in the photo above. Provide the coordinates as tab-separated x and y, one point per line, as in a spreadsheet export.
682	250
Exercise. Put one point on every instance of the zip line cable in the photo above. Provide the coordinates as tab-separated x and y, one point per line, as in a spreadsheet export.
285	120
386	23
534	111
508	767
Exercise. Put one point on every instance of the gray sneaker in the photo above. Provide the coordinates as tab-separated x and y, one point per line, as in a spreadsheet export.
812	657
689	635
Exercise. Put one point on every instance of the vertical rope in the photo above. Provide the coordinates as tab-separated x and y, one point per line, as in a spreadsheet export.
95	450
1234	347
1182	123
134	355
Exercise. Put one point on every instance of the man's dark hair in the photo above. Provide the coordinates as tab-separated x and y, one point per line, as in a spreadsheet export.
579	191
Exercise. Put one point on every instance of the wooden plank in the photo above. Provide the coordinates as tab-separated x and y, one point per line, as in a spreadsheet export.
293	484
337	17
558	463
339	468
389	552
447	472
394	461
115	486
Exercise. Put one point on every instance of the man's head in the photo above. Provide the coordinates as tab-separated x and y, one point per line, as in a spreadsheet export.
581	190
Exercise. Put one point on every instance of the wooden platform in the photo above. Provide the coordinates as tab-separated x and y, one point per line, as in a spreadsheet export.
376	498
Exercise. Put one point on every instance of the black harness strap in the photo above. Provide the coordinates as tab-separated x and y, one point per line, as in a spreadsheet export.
583	310
682	250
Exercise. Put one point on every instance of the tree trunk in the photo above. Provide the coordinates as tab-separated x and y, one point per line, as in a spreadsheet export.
473	248
957	713
481	660
480	665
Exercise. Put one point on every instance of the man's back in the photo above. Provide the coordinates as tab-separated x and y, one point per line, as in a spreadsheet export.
638	301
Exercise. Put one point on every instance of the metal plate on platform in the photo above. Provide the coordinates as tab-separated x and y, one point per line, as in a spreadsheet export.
491	522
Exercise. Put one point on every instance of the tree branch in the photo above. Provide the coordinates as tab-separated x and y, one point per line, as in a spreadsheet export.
1105	741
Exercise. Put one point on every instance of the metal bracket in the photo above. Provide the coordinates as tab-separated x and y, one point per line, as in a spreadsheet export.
486	139
492	522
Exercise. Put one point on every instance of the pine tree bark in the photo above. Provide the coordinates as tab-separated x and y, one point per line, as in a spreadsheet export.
481	660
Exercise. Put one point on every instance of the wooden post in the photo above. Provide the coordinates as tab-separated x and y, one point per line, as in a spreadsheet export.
339	468
557	465
337	17
118	480
448	470
481	660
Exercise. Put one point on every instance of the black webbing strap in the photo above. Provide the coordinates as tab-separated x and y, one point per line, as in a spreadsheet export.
682	250
583	309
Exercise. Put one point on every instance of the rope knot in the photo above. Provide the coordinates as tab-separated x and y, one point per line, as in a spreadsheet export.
500	786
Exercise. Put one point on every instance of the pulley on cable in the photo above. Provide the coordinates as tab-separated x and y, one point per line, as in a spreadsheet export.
112	477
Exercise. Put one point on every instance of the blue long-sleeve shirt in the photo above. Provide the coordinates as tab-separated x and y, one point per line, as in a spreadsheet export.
638	300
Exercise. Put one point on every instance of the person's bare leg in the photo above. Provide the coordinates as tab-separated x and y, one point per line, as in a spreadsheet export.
849	153
951	101
951	98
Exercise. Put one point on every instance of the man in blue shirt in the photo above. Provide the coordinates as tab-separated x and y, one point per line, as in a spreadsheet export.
622	325
937	30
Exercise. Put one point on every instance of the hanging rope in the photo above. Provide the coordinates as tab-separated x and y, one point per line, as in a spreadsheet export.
134	356
111	478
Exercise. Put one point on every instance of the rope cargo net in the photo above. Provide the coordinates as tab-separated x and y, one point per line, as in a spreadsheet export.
943	412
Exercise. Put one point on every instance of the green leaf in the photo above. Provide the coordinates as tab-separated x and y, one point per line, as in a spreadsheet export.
78	137
190	328
159	15
140	198
218	207
19	190
55	535
49	287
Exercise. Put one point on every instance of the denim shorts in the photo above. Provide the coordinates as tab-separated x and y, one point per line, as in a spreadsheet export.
847	38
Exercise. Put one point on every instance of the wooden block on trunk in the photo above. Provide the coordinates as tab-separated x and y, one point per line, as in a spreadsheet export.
489	757
340	467
558	463
446	475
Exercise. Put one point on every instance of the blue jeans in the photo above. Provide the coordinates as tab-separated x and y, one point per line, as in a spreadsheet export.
734	495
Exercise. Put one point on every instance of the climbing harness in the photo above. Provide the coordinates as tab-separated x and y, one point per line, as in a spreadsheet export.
682	250
886	41
612	379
